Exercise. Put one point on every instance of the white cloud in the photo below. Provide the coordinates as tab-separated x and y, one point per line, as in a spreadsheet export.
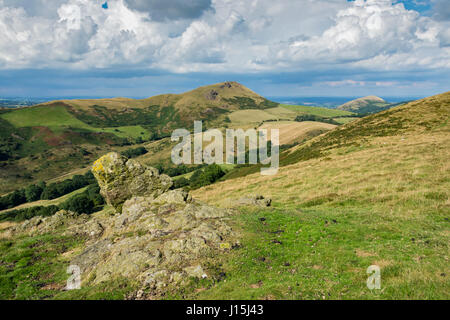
233	36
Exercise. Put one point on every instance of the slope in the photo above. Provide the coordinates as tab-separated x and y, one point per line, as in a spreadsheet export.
375	193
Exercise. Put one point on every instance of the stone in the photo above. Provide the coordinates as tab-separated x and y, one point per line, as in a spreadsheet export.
254	200
174	196
195	271
159	238
120	179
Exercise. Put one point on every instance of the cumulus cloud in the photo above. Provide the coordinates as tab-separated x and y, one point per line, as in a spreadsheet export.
221	35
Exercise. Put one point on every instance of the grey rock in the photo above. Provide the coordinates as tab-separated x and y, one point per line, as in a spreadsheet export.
120	179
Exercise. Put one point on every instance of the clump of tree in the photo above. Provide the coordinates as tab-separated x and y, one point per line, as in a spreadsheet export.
58	189
180	183
28	213
178	170
312	117
206	176
88	201
133	153
42	191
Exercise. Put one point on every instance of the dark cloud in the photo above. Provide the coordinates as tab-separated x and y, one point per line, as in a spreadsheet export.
441	9
161	10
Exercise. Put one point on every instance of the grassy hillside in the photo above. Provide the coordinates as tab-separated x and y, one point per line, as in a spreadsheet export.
48	140
292	132
372	192
54	117
375	191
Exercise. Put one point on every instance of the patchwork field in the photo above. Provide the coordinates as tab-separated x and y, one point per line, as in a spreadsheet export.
282	113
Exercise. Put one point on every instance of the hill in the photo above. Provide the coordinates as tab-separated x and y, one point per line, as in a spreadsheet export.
369	104
50	139
163	113
372	192
44	141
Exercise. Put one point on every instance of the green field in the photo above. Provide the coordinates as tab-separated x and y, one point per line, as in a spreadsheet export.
54	117
57	118
127	131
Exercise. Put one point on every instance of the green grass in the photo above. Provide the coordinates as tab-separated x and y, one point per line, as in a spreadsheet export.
54	117
57	118
127	132
30	267
318	111
324	253
33	267
345	120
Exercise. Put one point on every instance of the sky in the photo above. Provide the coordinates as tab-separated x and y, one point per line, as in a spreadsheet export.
140	48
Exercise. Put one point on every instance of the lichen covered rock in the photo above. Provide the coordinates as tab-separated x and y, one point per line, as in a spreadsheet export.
120	179
71	224
158	241
161	238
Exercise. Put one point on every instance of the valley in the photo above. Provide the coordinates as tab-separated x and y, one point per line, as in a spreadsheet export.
365	191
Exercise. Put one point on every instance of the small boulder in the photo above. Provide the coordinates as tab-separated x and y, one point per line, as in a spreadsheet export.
254	200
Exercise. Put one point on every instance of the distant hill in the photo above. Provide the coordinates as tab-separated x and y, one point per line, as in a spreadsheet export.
163	113
416	117
369	104
46	140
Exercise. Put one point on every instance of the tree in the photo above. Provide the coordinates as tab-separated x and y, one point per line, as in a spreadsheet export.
180	183
208	175
33	193
80	203
16	198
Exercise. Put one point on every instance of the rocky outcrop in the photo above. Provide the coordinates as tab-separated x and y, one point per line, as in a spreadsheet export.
70	222
158	238
120	179
254	200
212	95
159	242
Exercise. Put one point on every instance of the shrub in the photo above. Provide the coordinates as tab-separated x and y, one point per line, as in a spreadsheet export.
133	153
28	213
80	203
33	193
311	117
180	183
206	176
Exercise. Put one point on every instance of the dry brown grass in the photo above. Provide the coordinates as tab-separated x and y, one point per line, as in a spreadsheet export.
292	131
389	170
